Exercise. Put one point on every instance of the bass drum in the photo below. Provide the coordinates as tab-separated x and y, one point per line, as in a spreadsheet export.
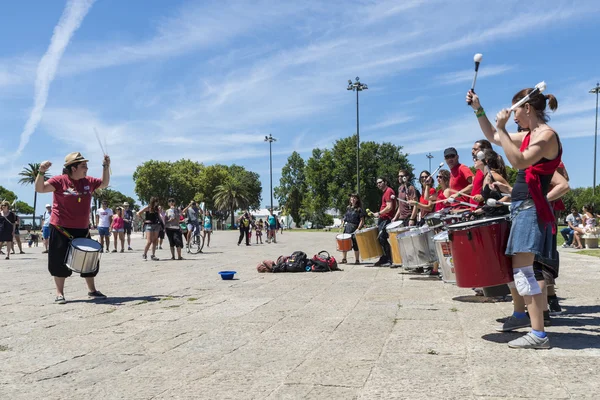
478	252
367	242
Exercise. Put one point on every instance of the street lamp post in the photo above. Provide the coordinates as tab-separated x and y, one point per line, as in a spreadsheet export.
357	87
430	157
595	90
271	139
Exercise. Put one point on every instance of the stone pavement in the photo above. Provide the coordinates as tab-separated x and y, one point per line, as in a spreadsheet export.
175	330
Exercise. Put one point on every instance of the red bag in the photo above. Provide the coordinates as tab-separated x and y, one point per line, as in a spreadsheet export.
323	262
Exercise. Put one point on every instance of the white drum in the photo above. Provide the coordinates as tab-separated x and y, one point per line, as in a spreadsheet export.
444	255
393	225
416	248
83	255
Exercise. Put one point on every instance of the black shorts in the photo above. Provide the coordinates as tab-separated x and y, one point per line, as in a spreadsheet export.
547	268
127	229
58	245
161	234
175	238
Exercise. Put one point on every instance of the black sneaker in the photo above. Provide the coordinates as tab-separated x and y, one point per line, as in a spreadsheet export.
96	295
554	307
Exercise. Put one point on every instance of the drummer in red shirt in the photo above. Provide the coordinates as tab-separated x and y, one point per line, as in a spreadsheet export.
461	177
385	214
479	146
70	215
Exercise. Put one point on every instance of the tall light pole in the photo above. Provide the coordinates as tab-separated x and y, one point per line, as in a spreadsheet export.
357	87
430	157
595	90
271	139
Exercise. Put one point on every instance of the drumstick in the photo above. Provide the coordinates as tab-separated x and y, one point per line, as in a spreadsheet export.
451	200
102	147
477	58
462	194
539	88
494	203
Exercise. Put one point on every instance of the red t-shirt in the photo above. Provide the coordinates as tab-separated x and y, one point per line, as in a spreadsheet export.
440	196
423	201
385	199
459	180
477	185
72	201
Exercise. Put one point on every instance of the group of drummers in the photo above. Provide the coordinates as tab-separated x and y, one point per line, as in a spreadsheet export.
490	234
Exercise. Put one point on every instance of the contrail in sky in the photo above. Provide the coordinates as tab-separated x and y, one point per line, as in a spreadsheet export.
70	20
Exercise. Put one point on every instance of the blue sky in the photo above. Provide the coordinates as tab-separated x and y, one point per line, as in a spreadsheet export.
208	80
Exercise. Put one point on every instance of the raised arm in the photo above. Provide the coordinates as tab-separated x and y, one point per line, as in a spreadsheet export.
489	131
41	186
105	172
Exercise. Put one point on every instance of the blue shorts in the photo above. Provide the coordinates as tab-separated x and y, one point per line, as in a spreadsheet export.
103	231
45	232
526	233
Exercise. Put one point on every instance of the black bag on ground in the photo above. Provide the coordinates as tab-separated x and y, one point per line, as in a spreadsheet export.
296	262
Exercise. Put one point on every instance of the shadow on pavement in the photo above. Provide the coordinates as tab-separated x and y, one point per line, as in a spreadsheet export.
121	300
478	299
559	340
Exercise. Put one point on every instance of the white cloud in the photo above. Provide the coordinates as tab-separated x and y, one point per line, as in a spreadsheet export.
69	22
467	75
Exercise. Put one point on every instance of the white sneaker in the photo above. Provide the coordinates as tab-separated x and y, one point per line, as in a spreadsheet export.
530	341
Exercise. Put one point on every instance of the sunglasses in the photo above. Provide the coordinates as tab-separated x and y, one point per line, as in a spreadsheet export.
424	177
379	182
450	156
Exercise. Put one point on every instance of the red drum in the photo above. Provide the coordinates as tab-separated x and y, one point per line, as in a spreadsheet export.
478	252
344	242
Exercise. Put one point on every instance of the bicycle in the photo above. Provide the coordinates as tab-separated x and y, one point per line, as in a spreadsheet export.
196	244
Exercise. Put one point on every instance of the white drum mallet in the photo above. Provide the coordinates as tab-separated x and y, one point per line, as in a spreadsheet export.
539	88
496	203
477	58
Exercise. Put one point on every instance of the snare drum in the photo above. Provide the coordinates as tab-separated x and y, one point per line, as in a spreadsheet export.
444	255
368	245
416	247
393	241
83	255
478	252
344	242
434	220
393	225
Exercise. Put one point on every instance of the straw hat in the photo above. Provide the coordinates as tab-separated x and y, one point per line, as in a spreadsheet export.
73	158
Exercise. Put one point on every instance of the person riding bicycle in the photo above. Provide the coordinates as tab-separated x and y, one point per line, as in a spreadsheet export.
193	214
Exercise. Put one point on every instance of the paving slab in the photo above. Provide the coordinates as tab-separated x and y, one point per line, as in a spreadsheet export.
175	330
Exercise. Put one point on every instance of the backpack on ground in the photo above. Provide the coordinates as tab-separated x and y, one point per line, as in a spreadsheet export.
323	262
296	262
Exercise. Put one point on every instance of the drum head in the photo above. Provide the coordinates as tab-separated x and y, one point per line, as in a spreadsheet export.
393	225
476	223
365	230
343	236
441	237
85	244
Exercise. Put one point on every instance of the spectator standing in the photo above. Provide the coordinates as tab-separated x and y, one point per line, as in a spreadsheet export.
173	229
17	236
7	227
272	220
244	224
151	216
118	229
208	220
127	223
259	229
46	227
103	222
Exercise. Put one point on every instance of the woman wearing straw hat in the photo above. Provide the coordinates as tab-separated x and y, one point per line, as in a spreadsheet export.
72	197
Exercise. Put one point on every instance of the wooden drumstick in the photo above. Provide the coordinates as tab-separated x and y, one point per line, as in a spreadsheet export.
462	194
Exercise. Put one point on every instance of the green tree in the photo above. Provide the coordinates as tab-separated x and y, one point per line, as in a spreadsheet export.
251	183
292	186
318	174
211	177
23	208
7	195
163	179
231	195
29	174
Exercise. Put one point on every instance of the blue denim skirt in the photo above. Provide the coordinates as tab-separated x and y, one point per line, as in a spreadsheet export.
526	234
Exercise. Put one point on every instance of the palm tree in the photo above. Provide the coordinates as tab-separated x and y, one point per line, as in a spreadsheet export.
28	178
231	195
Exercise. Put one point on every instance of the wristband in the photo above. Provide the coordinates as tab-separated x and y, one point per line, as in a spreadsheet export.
480	112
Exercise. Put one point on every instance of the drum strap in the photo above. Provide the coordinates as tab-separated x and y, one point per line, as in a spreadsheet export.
64	232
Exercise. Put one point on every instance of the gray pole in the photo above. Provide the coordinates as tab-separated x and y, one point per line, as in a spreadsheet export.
271	139
595	90
357	149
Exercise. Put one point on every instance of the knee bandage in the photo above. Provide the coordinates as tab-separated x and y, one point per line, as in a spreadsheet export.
525	281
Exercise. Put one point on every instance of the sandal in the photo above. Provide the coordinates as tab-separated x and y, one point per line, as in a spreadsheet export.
357	262
153	257
181	258
344	261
